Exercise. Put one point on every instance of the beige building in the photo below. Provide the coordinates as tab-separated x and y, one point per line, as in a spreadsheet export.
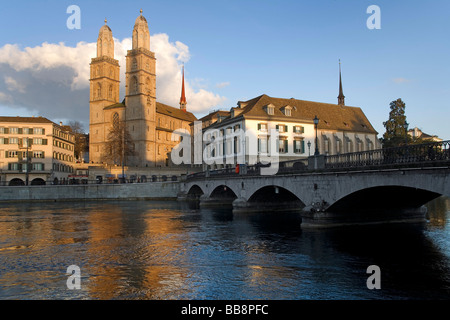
34	149
149	122
418	134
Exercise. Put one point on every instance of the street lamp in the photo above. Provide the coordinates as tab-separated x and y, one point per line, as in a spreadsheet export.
309	148
316	122
405	125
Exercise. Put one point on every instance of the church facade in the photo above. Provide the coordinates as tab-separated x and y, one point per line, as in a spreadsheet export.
149	123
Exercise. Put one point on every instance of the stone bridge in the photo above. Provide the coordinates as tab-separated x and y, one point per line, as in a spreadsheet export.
329	197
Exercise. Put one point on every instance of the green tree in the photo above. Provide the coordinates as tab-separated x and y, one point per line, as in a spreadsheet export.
396	126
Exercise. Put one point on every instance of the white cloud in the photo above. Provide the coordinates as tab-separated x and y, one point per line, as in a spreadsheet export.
54	78
222	85
13	85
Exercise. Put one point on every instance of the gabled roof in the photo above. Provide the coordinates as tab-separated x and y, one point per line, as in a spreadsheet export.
331	116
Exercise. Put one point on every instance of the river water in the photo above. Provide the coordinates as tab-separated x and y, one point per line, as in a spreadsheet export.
164	250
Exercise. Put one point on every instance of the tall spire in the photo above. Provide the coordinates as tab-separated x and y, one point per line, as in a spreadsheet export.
341	97
183	96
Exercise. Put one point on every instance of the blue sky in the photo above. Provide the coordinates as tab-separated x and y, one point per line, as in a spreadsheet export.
241	49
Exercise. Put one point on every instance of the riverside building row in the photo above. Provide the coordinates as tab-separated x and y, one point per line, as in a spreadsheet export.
34	150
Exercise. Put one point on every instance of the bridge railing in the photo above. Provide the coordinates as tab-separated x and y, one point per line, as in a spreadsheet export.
421	154
426	154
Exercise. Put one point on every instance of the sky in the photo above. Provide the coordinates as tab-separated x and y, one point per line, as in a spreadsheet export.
236	50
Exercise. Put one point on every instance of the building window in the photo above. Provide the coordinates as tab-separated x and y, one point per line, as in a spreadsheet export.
135	65
110	91
134	85
14	166
38	131
282	145
262	145
38	154
115	121
37	167
40	141
281	128
270	110
13	140
299	146
299	129
13	130
12	154
262	127
287	112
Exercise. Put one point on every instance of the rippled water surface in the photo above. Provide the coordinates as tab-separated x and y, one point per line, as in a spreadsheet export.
164	250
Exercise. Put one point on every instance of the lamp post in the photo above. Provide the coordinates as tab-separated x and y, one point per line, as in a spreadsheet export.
405	125
316	122
309	148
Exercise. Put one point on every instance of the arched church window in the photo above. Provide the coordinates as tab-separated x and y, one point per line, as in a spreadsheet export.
134	84
115	121
148	85
134	64
110	91
99	91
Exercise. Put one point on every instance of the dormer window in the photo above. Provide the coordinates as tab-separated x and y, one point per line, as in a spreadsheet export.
287	110
270	108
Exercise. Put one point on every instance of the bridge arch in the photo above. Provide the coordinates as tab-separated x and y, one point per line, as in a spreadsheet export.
383	198
195	192
223	192
274	197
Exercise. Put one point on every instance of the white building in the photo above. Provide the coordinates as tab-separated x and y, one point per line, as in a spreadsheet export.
245	135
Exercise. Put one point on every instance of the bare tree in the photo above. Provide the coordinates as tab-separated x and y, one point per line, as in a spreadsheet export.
81	138
119	145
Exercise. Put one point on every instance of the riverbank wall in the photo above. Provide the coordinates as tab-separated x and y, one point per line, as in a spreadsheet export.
130	191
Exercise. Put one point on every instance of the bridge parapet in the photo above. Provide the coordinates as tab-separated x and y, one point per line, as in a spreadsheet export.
431	154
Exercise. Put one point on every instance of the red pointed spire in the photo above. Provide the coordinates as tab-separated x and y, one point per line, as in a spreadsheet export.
183	96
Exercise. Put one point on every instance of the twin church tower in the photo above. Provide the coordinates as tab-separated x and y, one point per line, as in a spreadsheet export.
149	122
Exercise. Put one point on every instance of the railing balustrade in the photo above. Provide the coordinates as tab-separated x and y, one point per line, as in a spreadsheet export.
425	154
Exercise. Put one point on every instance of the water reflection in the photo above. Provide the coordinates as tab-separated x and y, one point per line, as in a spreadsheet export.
168	250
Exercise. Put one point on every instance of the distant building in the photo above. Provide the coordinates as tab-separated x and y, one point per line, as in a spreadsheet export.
416	133
213	117
34	149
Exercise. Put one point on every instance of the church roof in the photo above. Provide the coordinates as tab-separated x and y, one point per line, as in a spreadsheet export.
331	116
116	105
175	112
162	109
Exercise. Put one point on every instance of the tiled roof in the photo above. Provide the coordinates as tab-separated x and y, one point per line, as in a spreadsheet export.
331	116
215	113
174	112
162	109
25	119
